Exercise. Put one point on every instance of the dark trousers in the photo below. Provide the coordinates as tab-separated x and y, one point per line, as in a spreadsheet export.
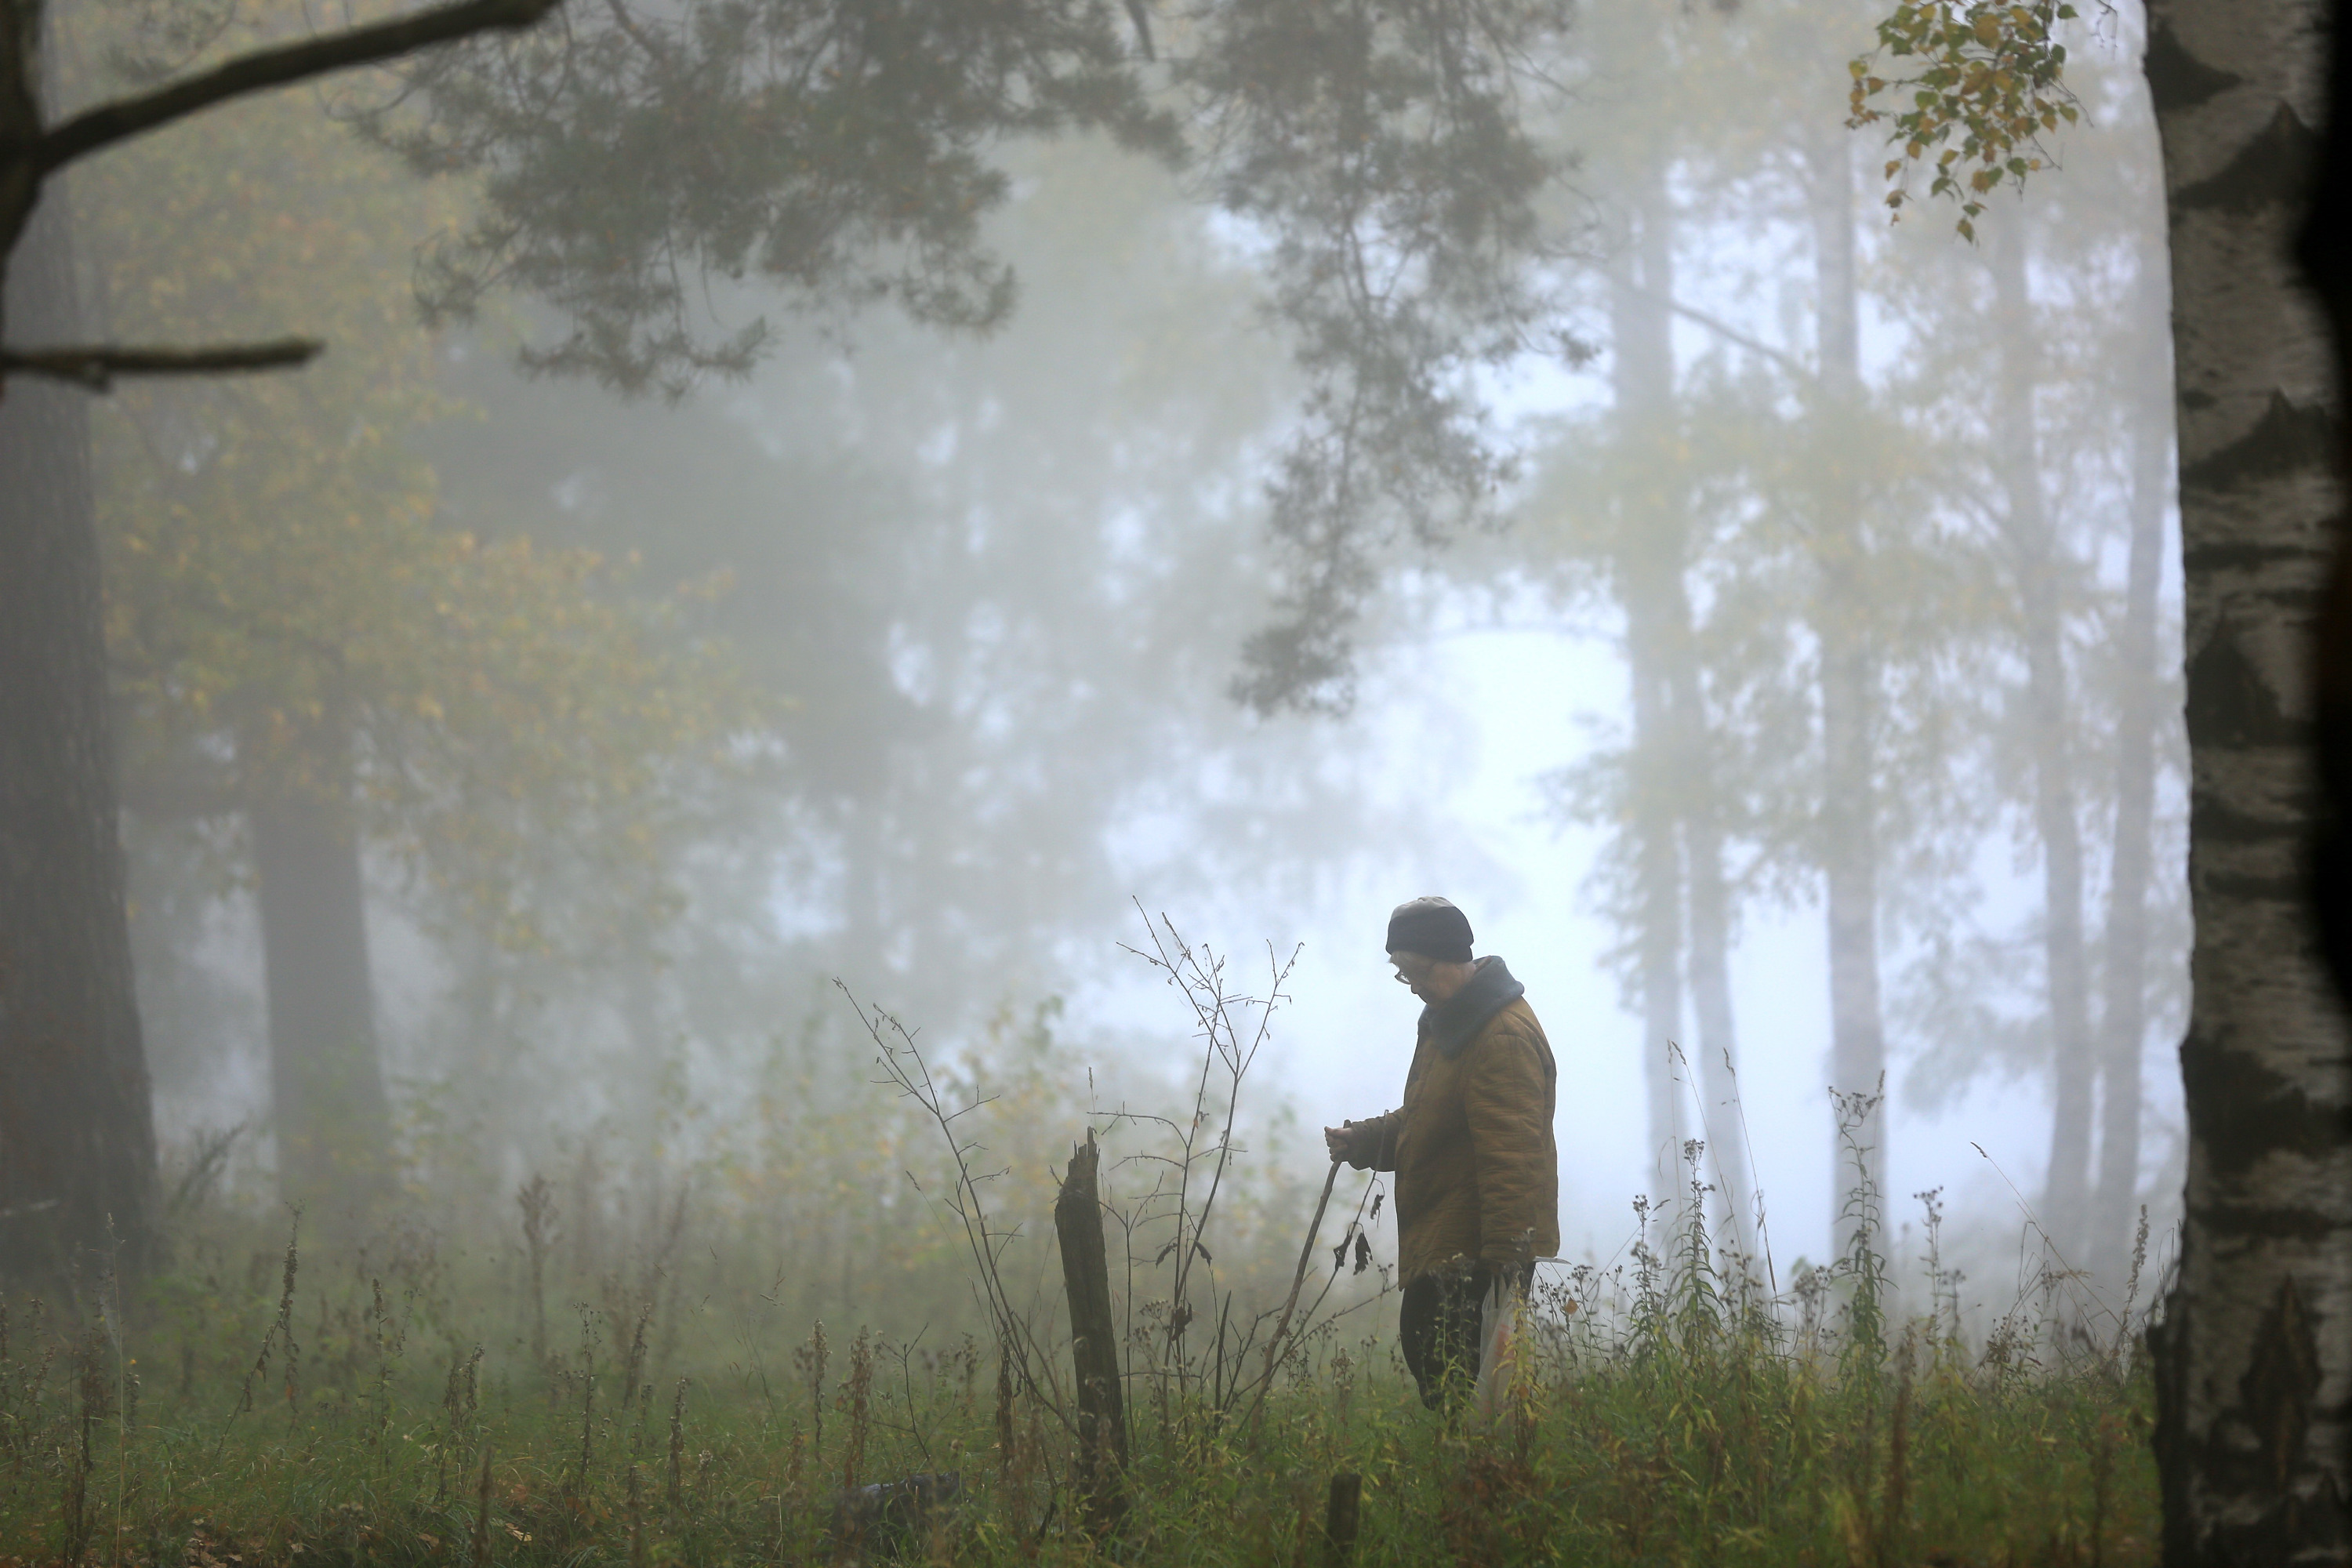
1439	1324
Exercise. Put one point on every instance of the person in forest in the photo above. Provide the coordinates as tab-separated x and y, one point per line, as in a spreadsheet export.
1477	1175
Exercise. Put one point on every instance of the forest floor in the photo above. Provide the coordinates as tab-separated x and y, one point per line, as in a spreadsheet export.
1678	1432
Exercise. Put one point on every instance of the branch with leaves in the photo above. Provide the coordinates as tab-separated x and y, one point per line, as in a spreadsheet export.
1990	74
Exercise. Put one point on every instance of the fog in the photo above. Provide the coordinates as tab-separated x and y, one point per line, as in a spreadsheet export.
916	664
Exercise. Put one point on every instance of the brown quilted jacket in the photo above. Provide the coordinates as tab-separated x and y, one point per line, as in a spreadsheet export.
1477	1174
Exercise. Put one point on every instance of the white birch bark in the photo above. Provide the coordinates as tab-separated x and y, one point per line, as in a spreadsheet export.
2256	1351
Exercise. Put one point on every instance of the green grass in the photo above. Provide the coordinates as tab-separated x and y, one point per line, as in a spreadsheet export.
614	1374
1670	1423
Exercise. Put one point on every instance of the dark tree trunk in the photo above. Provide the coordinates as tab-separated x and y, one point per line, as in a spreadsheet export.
1094	1344
1847	830
2254	1359
2032	549
76	1141
334	1138
2123	1015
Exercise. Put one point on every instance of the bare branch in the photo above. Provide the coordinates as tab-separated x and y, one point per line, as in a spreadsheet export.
905	1068
95	365
1724	331
111	122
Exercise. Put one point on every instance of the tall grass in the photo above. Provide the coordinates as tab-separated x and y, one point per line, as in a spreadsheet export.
561	1389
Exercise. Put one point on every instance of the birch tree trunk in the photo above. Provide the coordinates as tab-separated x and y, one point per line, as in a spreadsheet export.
2254	1354
2032	549
1847	829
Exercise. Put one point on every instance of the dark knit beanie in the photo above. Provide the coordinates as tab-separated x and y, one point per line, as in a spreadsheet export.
1432	928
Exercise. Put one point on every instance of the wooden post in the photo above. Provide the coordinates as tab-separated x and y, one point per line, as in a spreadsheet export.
1340	1517
1094	1336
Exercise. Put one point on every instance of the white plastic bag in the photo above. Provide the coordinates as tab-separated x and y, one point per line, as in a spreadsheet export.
1500	1326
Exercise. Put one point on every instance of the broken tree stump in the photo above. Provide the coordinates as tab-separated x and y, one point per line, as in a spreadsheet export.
1340	1517
1094	1347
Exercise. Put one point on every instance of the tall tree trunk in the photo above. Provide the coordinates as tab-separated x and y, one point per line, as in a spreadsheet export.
2123	1013
334	1129
1649	566
1662	646
2032	548
1847	831
1724	1128
2254	1355
1658	869
76	1141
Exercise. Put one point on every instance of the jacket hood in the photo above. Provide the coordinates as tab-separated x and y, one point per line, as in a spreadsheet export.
1453	1024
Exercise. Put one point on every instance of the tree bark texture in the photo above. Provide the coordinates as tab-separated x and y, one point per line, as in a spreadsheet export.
1847	828
2031	547
76	1143
2123	1013
2254	1354
333	1125
1094	1343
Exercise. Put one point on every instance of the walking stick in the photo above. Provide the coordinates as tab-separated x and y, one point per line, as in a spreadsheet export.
1282	1325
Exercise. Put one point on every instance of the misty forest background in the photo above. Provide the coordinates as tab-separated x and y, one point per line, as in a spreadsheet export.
509	766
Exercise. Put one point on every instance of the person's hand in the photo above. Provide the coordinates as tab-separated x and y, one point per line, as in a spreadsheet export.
1341	1141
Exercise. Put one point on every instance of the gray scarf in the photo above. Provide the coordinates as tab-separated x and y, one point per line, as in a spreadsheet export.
1452	1024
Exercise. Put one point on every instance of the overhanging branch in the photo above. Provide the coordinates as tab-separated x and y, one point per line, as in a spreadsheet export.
96	365
125	117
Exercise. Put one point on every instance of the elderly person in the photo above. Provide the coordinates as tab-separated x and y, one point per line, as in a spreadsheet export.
1477	1176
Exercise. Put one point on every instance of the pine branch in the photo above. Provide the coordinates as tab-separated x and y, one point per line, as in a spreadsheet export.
96	365
125	117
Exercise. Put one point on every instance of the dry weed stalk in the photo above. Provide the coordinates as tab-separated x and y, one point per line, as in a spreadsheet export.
810	1358
588	1338
677	1446
633	1362
1232	1028
280	1333
536	1201
905	1070
856	1398
461	1399
481	1542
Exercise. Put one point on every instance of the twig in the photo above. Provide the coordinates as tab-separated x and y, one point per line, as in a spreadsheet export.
95	365
2068	1273
118	121
1199	977
917	1085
